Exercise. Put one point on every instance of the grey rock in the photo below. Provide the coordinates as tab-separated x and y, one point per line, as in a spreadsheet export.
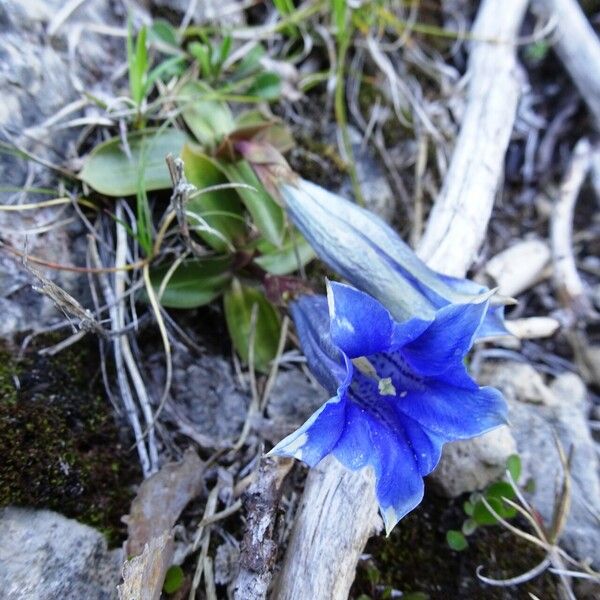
221	12
473	464
534	427
39	75
206	399
520	381
45	556
294	398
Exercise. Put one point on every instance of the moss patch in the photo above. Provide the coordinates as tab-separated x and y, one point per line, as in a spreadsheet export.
61	445
416	558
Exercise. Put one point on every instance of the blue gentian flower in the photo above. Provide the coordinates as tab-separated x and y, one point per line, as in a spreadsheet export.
370	255
400	390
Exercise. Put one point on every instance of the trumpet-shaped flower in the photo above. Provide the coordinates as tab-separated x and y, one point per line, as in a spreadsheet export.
371	256
400	390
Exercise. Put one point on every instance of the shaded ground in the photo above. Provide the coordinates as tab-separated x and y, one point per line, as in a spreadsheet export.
63	449
416	558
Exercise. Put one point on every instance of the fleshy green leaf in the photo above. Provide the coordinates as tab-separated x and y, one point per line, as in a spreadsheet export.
500	489
294	253
468	508
238	303
267	215
456	540
209	120
164	32
513	465
173	579
110	171
482	516
220	210
194	283
250	63
266	86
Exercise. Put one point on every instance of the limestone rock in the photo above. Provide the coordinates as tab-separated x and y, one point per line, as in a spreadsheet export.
41	72
470	465
517	268
534	427
45	556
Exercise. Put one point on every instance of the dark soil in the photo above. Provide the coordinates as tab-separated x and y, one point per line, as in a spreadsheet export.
417	559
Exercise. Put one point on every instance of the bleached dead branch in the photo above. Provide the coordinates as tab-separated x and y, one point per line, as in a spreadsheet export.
569	285
578	48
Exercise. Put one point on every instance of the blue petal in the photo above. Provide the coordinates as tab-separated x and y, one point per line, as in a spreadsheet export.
311	317
355	447
455	413
446	341
361	326
398	448
399	486
493	323
318	436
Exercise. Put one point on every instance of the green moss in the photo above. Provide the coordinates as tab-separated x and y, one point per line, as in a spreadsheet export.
61	445
416	558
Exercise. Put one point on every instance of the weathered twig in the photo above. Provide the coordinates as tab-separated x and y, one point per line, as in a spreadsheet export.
454	232
578	48
117	319
567	282
259	550
338	512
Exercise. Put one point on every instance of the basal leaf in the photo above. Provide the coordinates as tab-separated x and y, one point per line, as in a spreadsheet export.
294	253
208	119
267	215
194	283
253	124
164	32
238	302
250	63
109	170
220	210
266	85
